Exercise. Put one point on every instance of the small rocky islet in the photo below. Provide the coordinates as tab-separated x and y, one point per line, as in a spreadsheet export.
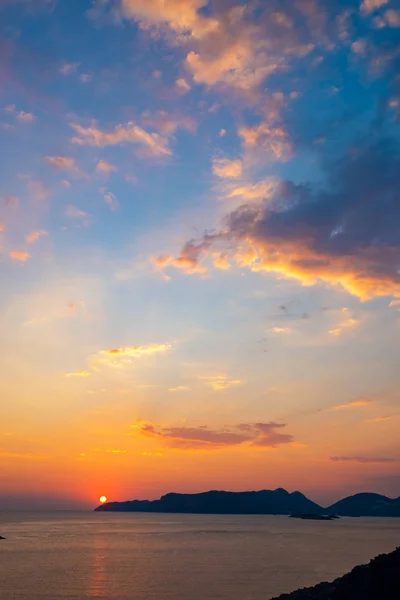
314	517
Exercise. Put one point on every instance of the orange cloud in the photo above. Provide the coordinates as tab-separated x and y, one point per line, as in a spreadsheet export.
33	236
155	144
161	261
180	15
353	404
368	6
111	200
120	357
229	46
188	264
249	192
221	261
227	169
221	382
348	324
272	138
282	330
103	166
61	163
392	18
180	388
183	85
380	419
167	123
25	117
78	374
21	256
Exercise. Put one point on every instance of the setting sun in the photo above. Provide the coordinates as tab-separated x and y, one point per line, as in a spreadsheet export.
103	499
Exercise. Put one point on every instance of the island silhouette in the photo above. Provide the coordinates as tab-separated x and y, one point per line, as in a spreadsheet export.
263	502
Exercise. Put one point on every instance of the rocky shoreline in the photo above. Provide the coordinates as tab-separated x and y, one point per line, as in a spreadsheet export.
378	580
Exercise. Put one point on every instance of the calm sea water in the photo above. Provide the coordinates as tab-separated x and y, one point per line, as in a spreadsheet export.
181	557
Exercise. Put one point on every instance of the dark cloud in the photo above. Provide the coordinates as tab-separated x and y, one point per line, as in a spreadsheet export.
362	459
346	232
254	434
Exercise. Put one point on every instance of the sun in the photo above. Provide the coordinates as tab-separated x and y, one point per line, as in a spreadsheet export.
103	499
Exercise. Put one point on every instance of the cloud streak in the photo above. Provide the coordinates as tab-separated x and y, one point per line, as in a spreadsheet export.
221	382
361	403
120	357
363	459
154	144
256	435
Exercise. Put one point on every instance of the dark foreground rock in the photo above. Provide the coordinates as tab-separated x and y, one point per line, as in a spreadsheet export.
379	580
1	537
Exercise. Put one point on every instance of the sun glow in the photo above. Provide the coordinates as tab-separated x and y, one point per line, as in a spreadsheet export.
103	499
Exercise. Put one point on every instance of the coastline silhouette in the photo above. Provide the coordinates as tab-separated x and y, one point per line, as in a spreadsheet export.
269	502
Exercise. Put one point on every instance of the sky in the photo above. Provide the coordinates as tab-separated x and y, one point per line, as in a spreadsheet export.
199	248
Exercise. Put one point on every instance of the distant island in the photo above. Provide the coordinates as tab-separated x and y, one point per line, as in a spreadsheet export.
264	502
379	580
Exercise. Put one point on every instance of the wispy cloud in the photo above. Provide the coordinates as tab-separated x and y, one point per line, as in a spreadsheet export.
347	324
19	255
360	403
120	357
382	418
69	68
363	459
395	304
267	137
25	117
35	235
73	212
368	6
227	169
103	166
78	374
221	382
155	144
61	163
111	200
183	85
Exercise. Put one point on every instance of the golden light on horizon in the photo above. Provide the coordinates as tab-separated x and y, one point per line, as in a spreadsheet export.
103	499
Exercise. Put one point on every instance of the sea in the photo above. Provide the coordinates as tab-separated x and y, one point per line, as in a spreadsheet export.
139	556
